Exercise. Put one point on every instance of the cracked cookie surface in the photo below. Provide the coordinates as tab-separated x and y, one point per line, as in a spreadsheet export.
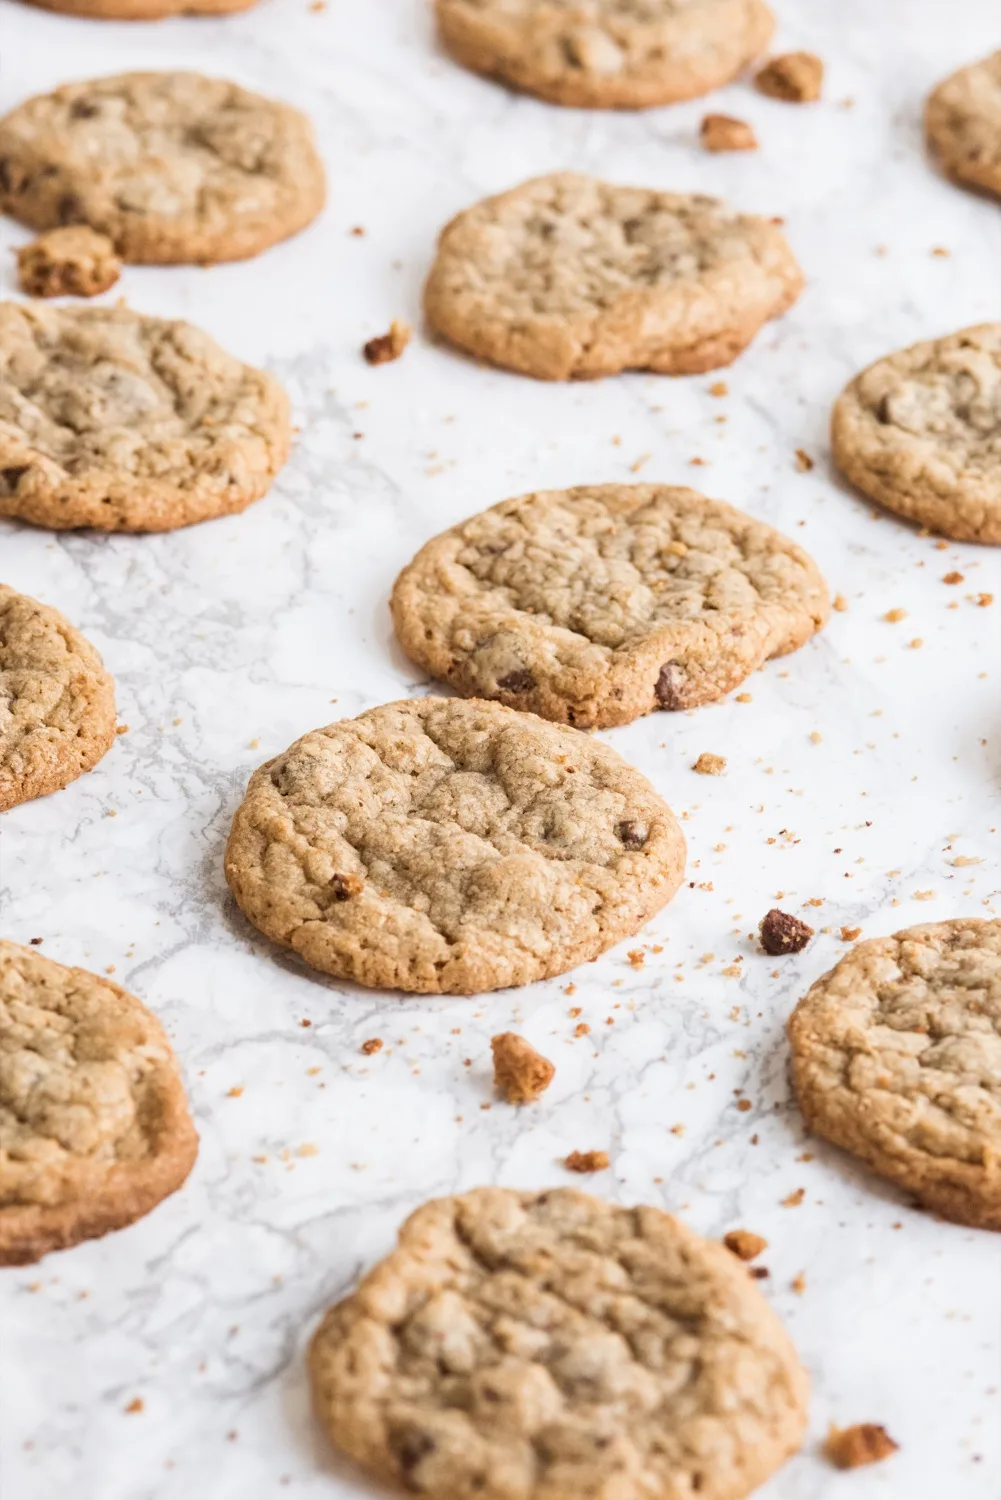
963	124
127	423
57	701
595	605
94	1125
567	277
896	1056
606	54
550	1346
447	846
920	431
171	166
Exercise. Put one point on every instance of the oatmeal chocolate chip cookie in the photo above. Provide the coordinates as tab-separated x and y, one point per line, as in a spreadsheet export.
963	124
567	277
896	1056
550	1346
594	605
127	423
606	54
94	1125
170	166
920	431
71	262
451	847
57	702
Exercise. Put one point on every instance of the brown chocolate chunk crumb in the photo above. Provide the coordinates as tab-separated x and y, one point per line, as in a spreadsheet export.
710	765
865	1443
744	1244
374	1044
587	1161
782	933
520	1073
795	77
516	682
725	133
346	886
633	834
388	346
70	262
670	685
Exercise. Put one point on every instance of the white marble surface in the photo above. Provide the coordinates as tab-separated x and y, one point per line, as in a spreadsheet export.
229	639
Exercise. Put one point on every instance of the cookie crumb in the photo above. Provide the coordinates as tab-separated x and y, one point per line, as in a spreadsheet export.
794	77
135	1405
726	133
374	1044
804	463
984	600
710	765
853	1447
636	957
587	1161
782	933
798	1283
744	1243
719	388
840	603
520	1073
388	346
849	934
894	616
952	577
582	1029
794	1199
74	261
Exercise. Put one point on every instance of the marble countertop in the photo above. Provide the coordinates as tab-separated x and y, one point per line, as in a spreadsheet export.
862	784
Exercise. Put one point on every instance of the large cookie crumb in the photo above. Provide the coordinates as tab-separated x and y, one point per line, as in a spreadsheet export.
520	1073
783	933
853	1447
71	262
388	346
725	133
744	1243
587	1161
795	77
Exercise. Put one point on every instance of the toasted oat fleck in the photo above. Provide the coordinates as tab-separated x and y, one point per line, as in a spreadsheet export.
795	77
520	1073
374	1044
587	1161
744	1243
388	346
853	1447
710	765
726	133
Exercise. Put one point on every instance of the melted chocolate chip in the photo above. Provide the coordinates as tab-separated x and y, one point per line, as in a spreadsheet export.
632	833
11	477
670	685
83	109
70	209
346	886
516	682
411	1447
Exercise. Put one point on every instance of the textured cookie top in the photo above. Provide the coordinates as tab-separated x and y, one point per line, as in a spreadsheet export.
963	121
129	423
441	845
607	53
57	702
596	604
921	431
900	1045
171	166
520	1346
570	276
93	1121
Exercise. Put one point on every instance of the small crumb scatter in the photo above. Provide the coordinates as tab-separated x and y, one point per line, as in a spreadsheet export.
849	934
374	1044
804	463
794	1199
388	346
894	616
587	1161
726	133
782	933
520	1073
794	77
853	1447
710	765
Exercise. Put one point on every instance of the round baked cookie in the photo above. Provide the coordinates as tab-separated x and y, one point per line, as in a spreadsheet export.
567	277
550	1346
127	423
451	847
896	1056
595	605
920	431
141	10
57	702
963	124
94	1125
607	54
170	166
